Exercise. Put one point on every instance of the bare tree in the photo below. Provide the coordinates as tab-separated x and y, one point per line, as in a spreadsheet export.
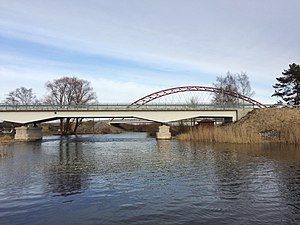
59	91
22	96
70	91
238	83
81	92
193	102
227	83
244	86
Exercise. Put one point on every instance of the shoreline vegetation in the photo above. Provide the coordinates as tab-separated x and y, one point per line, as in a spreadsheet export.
51	129
91	127
268	125
6	139
88	127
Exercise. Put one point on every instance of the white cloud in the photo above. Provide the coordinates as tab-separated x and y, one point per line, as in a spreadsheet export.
206	38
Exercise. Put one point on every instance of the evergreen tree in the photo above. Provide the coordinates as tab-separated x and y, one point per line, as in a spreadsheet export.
288	86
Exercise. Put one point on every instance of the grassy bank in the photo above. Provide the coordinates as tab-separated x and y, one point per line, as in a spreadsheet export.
259	126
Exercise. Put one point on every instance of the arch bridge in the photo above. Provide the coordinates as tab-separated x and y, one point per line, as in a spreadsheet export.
143	109
171	91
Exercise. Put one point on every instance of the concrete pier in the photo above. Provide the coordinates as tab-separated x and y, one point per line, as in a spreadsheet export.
28	133
163	133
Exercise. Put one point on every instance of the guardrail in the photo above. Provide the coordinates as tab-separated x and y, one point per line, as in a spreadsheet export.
4	107
63	107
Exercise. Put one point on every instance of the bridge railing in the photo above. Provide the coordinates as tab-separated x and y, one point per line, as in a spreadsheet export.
62	107
5	107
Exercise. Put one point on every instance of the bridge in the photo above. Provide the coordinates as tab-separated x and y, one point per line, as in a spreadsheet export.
144	108
33	114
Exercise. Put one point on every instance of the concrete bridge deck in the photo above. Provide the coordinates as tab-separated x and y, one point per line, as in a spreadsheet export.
27	114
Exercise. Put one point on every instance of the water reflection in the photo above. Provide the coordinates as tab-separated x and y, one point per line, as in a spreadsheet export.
4	152
230	173
255	177
131	179
164	149
69	174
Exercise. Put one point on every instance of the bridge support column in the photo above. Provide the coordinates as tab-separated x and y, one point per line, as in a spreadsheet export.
28	133
163	133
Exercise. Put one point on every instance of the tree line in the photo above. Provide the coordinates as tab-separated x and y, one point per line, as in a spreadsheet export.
75	91
287	87
62	91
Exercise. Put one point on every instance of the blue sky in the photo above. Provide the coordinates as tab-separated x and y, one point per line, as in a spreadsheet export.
130	48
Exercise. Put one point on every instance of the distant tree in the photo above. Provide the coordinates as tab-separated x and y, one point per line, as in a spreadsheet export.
193	102
288	86
244	86
238	83
59	91
21	96
70	91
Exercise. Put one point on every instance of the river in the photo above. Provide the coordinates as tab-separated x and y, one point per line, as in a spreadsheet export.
132	179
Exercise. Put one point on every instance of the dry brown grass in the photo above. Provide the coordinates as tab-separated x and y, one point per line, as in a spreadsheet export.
290	134
259	126
6	138
226	134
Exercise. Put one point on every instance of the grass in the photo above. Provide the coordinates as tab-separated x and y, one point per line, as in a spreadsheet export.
226	134
290	134
268	125
6	138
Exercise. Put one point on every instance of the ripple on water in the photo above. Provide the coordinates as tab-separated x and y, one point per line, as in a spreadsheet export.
132	179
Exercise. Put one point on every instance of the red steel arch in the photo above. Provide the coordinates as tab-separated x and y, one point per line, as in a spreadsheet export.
148	98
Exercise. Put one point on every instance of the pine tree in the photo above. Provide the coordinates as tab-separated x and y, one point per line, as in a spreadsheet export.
288	86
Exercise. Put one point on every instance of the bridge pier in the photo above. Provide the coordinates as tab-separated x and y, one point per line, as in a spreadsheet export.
28	133
163	133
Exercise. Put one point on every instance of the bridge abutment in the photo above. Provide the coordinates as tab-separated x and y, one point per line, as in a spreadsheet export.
163	133
28	133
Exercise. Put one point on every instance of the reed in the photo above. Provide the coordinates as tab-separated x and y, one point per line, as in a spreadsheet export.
226	134
290	134
6	138
279	125
235	134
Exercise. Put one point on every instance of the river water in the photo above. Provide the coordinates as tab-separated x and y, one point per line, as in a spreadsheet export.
132	179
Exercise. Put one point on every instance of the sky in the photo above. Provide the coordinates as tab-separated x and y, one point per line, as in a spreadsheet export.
130	48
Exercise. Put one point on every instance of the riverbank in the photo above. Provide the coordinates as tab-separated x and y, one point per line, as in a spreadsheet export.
88	127
280	125
50	129
6	139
